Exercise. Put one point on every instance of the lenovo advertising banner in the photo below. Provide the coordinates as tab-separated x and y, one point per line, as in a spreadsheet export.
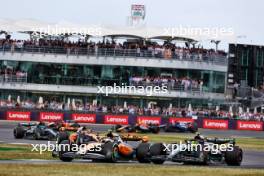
84	118
148	120
116	119
50	116
17	115
215	124
249	125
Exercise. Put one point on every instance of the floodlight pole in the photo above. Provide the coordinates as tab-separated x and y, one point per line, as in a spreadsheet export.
216	42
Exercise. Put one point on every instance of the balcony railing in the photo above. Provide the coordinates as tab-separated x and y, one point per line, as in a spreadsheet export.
81	81
112	52
8	78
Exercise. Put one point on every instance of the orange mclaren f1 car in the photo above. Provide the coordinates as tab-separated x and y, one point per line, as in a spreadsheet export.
110	148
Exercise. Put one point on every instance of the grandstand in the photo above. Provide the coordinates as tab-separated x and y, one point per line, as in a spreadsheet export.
57	69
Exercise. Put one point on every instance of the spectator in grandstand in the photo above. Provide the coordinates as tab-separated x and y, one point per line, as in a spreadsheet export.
166	50
172	82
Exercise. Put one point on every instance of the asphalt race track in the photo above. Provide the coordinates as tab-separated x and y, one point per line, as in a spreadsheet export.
251	159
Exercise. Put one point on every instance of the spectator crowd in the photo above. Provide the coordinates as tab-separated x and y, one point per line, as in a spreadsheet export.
171	82
136	48
11	75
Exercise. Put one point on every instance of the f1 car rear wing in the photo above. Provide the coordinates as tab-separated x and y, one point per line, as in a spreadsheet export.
130	137
69	121
216	140
27	124
221	140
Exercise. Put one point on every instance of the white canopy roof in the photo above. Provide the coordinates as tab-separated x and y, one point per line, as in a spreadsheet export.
63	27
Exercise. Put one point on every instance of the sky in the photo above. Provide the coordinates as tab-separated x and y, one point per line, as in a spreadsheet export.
245	17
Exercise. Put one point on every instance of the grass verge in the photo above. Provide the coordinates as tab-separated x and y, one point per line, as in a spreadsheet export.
117	170
14	151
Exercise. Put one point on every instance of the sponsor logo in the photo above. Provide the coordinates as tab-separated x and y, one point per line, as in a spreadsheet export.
23	116
116	119
215	124
249	125
148	120
181	120
50	116
84	118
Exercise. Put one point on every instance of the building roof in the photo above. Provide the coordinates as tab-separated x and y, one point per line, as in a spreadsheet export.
61	28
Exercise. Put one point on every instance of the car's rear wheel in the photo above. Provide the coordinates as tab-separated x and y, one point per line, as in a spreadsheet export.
234	157
142	152
65	147
19	132
155	129
157	149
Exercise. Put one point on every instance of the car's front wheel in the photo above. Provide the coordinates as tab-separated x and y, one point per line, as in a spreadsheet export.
110	151
19	132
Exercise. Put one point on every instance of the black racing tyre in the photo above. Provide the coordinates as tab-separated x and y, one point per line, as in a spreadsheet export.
110	151
142	152
155	129
63	150
194	127
62	136
19	132
157	149
234	157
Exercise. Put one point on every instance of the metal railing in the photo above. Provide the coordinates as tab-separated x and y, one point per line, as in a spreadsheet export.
82	81
170	86
72	80
9	78
112	52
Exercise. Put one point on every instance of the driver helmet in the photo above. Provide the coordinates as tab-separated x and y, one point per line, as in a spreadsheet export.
62	129
145	139
110	134
198	136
